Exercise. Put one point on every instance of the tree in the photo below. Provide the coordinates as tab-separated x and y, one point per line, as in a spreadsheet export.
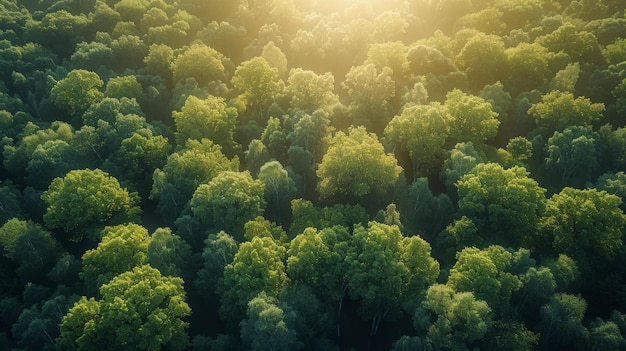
34	250
122	248
341	173
228	201
574	154
309	91
280	189
37	326
485	274
259	85
561	322
452	320
581	46
201	62
184	170
58	30
76	92
558	110
261	227
209	118
370	92
257	155
86	199
268	326
219	251
473	118
140	154
170	254
383	267
605	335
483	59
138	310
50	160
422	130
461	160
529	65
125	87
504	204
257	266
586	225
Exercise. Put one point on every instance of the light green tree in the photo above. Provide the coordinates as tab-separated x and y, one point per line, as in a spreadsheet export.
210	118
504	204
257	266
138	310
384	268
356	168
122	248
586	225
85	199
558	110
76	92
422	131
228	201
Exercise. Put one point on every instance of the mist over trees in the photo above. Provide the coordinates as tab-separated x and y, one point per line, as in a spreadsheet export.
312	175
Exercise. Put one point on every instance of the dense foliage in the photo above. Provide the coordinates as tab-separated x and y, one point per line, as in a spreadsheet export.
312	175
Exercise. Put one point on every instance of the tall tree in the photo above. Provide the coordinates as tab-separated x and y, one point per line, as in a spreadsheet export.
184	170
138	310
505	204
280	189
259	85
268	326
76	92
384	268
86	199
228	201
422	131
341	174
210	118
558	110
574	154
587	225
257	266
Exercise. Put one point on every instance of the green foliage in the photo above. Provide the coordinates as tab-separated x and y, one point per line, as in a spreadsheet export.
257	266
504	204
184	170
561	322
169	253
200	62
356	168
383	267
574	154
309	91
209	118
268	326
76	92
370	91
557	110
258	84
485	274
228	201
451	320
422	130
122	248
280	189
138	310
473	118
587	225
87	198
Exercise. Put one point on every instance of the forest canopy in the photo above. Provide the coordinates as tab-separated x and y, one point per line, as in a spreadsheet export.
312	175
